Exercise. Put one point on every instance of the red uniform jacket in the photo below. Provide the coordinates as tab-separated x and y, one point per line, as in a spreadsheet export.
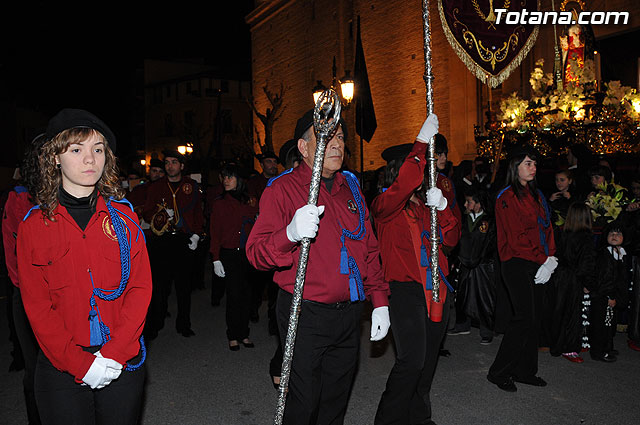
448	189
519	230
268	246
54	259
399	230
187	200
231	222
256	185
16	207
138	196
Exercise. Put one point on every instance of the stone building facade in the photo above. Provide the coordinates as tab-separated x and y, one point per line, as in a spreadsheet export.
295	41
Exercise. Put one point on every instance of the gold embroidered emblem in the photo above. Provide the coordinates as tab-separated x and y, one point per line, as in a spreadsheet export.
484	227
446	185
187	188
108	229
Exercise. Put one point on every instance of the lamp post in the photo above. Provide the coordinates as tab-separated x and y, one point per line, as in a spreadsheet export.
317	91
345	87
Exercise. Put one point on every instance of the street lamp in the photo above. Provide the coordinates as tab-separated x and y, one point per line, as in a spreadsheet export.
317	91
347	87
186	149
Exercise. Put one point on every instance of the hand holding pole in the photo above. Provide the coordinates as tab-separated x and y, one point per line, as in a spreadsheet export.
326	117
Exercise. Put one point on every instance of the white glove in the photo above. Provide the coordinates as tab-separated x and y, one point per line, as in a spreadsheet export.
304	223
102	372
170	212
435	199
218	269
429	129
193	244
551	263
379	323
546	270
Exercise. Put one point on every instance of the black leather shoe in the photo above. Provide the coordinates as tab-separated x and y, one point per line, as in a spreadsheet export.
247	343
607	358
235	347
536	381
504	384
187	332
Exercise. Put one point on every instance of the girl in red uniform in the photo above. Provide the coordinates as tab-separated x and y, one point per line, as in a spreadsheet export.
85	279
526	247
402	220
232	217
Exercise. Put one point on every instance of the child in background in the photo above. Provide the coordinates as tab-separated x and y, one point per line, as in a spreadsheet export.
609	294
575	273
475	293
559	201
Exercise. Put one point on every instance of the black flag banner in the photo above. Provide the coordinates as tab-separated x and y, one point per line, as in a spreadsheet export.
366	123
490	50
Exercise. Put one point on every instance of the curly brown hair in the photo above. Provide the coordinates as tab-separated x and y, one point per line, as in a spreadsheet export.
51	177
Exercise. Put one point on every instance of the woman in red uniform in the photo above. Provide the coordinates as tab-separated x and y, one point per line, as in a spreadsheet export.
232	217
402	220
85	279
526	247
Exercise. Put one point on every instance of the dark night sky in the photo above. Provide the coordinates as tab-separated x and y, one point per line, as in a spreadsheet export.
84	54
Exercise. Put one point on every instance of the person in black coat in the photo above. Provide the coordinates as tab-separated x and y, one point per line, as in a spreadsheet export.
476	291
575	273
610	292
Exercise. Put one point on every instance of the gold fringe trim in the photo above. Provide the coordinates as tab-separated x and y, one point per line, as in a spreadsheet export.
487	78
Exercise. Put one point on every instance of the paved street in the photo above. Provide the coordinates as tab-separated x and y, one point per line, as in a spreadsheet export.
198	380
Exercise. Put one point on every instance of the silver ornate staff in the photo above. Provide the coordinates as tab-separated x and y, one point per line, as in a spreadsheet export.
326	116
433	173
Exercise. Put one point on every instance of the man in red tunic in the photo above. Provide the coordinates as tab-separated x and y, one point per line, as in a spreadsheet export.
327	343
256	185
174	210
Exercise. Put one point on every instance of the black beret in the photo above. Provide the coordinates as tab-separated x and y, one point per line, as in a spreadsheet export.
520	151
155	162
79	118
233	169
173	154
306	121
286	149
441	144
397	152
267	154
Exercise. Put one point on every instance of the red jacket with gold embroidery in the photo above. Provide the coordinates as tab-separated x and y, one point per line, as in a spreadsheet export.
16	207
445	184
269	248
188	201
54	260
399	229
521	230
231	222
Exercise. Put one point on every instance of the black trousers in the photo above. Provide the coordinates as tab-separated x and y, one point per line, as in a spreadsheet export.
406	397
259	281
171	262
62	401
601	335
518	352
324	361
30	350
237	283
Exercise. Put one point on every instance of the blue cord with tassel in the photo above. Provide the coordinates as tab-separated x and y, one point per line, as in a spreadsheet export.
99	331
348	264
